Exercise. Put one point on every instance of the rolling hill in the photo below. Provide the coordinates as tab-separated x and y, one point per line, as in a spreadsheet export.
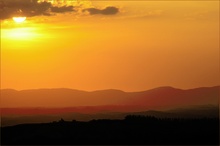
158	98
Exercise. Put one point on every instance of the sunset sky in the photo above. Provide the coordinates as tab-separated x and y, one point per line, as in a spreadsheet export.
93	45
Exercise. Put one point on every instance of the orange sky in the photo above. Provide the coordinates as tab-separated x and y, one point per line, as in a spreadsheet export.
144	45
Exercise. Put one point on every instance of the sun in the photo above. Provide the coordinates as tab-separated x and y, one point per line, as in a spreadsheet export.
19	19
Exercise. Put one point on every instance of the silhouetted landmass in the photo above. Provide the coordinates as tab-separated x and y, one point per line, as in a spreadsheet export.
204	111
134	129
152	122
109	100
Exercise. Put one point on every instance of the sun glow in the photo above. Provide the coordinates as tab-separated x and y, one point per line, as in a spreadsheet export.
19	19
20	34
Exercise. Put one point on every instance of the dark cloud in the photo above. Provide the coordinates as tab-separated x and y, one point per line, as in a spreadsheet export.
107	11
62	9
29	8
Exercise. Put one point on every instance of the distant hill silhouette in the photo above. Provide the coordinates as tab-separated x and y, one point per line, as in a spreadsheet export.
158	98
14	116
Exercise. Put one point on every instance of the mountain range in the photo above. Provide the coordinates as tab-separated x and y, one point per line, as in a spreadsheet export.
158	98
45	105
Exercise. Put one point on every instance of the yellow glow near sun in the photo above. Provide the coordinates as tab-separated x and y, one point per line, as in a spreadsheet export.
19	19
20	34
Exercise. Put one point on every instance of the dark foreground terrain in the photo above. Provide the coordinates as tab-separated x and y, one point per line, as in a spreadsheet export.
132	130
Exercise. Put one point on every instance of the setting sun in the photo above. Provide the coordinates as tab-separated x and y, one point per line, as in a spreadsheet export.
111	72
19	19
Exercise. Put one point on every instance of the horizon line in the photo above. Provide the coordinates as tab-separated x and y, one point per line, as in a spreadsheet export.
114	89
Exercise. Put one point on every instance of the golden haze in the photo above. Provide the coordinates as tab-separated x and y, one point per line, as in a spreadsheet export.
146	45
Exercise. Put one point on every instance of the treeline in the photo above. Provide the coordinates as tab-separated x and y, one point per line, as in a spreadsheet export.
133	130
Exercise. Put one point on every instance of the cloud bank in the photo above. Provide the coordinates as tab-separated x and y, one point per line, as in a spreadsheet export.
107	11
30	8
